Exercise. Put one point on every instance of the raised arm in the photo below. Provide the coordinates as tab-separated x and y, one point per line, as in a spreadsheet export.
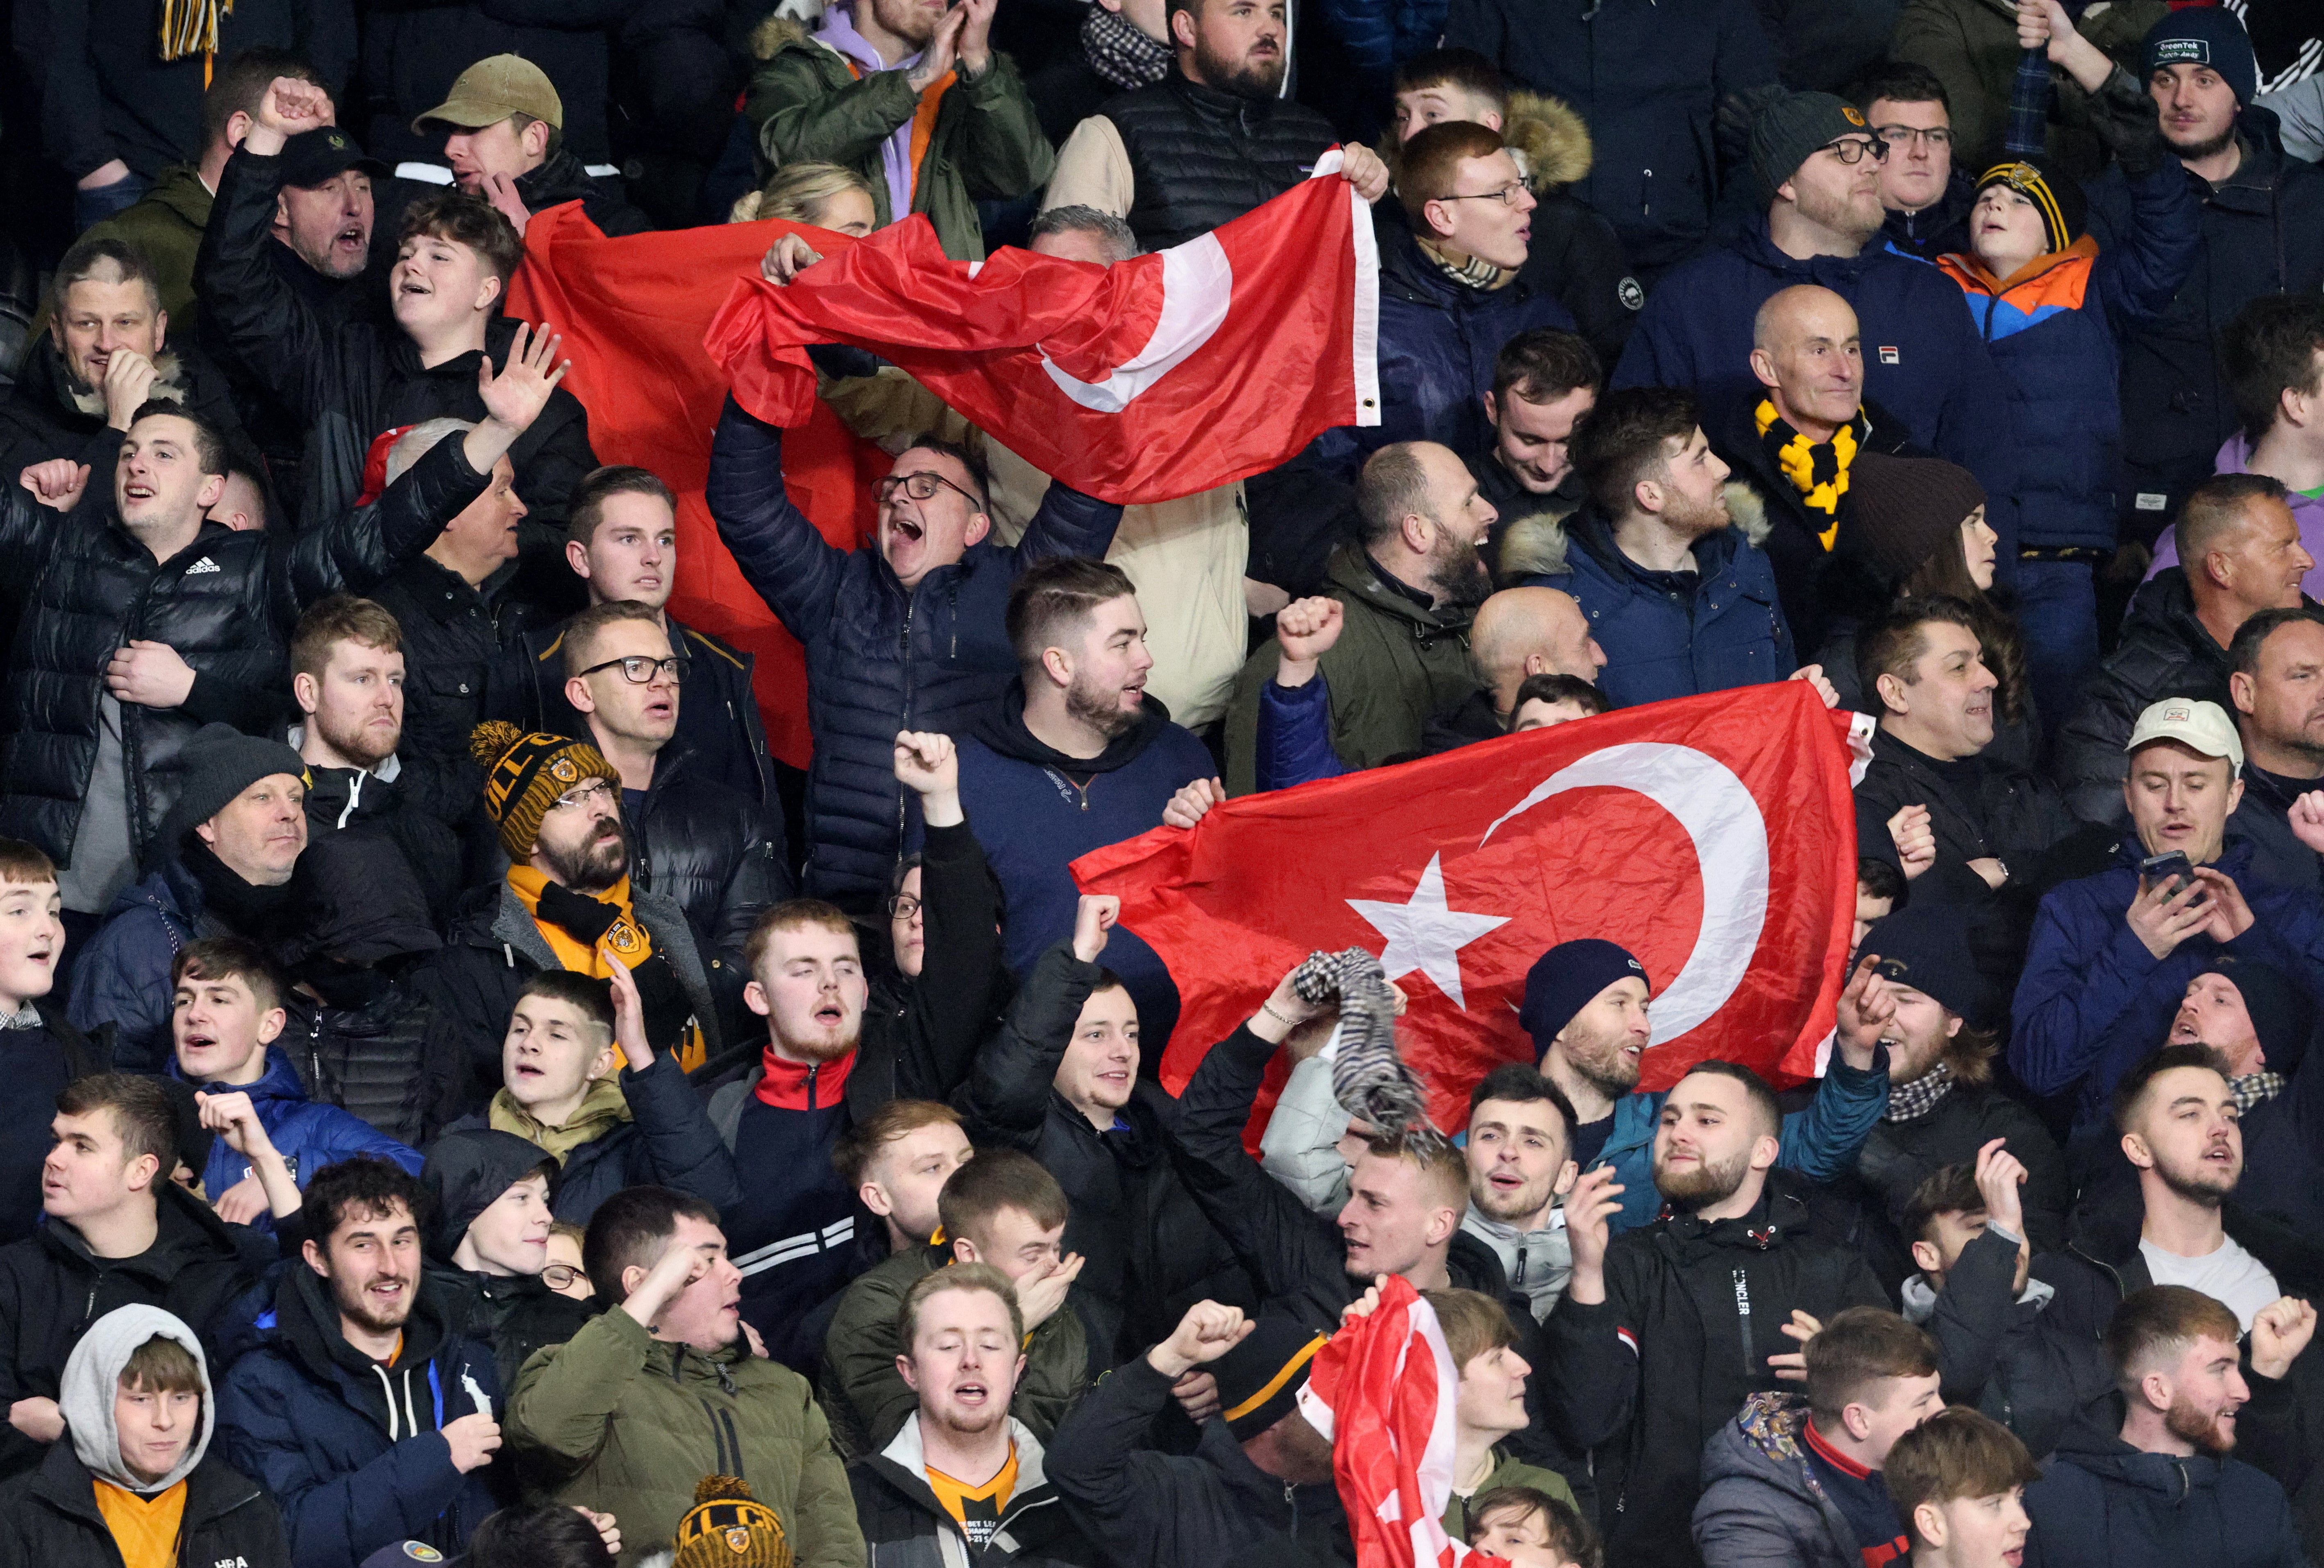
1009	1093
782	556
951	1004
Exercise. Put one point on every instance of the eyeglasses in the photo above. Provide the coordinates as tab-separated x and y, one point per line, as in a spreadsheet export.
903	906
596	792
1506	195
638	669
558	1276
1902	136
920	486
1850	150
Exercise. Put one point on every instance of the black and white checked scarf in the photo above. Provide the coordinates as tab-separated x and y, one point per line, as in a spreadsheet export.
1369	1078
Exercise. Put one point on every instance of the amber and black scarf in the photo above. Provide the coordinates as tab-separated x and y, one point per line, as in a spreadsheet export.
1818	470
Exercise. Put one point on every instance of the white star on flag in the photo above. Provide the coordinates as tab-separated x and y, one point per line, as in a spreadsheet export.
1426	935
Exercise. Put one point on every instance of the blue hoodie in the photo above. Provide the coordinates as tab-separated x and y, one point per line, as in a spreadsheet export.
307	1135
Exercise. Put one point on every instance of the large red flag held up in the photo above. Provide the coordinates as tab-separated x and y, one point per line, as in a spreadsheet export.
1713	836
632	311
1159	377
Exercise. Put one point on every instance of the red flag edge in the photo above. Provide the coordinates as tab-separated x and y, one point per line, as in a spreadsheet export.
1366	325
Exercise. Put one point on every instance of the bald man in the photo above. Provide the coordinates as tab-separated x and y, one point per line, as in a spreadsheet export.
1518	633
1807	356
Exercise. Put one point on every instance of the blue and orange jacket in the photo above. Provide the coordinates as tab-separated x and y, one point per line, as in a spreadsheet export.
2053	328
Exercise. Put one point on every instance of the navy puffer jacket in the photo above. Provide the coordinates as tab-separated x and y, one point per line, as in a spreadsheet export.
880	657
1658	645
353	1450
2102	1502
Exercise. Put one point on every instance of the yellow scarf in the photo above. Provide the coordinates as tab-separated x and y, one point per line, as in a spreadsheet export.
1818	471
602	1110
627	937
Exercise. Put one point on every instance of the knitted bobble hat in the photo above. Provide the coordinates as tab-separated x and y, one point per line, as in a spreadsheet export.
727	1527
525	775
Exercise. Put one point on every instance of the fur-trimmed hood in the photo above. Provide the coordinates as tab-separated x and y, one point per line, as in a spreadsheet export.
770	38
1535	546
169	385
1548	137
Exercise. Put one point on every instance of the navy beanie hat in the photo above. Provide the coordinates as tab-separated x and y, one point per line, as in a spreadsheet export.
1568	978
2209	35
2281	1016
1927	948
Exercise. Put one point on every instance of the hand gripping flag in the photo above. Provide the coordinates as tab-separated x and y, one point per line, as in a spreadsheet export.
632	311
1713	836
1382	1391
1159	377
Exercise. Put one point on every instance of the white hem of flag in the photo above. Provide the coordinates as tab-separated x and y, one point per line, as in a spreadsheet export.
1366	325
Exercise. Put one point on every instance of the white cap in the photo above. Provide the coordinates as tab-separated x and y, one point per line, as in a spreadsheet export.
2201	727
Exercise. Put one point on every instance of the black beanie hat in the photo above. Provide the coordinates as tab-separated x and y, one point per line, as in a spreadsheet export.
467	1172
1568	978
220	763
1902	511
2209	35
1927	948
1789	129
1259	1379
2281	1016
2055	194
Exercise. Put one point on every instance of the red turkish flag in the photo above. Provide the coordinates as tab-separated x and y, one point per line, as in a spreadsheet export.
1713	836
1159	377
632	312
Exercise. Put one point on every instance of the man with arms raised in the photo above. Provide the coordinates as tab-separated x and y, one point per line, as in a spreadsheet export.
907	634
662	1389
1651	1352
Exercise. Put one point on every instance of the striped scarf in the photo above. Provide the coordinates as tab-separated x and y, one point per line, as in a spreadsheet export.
1369	1078
1818	470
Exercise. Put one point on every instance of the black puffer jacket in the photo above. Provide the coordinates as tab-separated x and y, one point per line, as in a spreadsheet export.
2164	651
719	854
2001	811
719	717
225	603
515	1314
2007	1355
2262	232
52	1519
1691	1313
1149	1252
357	380
1199	157
880	659
52	1287
458	645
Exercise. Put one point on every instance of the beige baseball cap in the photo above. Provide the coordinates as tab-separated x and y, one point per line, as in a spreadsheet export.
493	89
2202	727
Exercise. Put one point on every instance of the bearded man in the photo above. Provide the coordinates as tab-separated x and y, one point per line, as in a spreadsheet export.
1075	755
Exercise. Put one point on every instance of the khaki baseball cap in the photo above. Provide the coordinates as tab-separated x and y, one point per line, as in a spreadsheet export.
493	89
2202	727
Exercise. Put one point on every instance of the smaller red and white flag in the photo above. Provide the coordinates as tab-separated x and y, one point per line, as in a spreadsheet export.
1382	1391
1161	376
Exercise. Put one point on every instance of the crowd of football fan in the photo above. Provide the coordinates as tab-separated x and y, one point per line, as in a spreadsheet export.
470	1100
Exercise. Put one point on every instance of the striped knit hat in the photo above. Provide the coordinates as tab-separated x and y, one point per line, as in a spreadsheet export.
727	1527
2055	194
525	775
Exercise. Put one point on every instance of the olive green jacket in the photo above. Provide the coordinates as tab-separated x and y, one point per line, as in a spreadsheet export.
1394	666
1971	46
625	1424
1507	1471
807	106
166	224
867	1400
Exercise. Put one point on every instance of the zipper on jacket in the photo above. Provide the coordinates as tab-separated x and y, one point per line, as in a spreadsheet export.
1742	1278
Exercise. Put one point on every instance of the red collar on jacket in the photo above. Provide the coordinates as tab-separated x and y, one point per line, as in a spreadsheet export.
1831	1456
788	1084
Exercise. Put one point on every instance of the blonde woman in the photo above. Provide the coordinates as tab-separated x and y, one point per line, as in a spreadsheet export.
822	195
